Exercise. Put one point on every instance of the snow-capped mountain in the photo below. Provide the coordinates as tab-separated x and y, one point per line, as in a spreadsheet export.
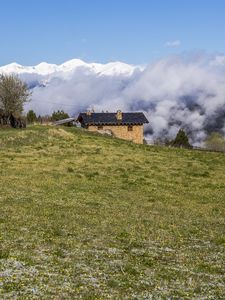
109	69
173	92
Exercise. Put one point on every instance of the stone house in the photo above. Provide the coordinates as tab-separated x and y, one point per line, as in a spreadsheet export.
127	126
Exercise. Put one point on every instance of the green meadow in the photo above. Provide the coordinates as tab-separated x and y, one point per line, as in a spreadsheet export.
83	216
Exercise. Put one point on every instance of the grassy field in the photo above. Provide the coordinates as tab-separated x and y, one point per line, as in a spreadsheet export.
84	216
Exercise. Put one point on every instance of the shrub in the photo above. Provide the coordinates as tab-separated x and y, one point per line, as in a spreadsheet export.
215	142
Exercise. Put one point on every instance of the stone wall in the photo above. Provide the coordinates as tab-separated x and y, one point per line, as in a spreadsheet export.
122	132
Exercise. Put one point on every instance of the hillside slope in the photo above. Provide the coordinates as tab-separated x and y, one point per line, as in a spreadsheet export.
89	217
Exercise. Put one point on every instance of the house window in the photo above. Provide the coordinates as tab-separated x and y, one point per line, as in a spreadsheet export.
100	127
130	128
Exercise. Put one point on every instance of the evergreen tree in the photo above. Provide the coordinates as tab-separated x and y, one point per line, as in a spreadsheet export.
31	117
181	140
59	115
39	119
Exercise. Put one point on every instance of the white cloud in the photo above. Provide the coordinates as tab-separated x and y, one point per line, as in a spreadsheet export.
173	44
174	92
218	61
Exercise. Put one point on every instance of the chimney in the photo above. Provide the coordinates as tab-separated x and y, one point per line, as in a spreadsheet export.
88	113
119	115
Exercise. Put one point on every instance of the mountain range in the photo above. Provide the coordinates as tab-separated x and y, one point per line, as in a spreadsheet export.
109	69
181	91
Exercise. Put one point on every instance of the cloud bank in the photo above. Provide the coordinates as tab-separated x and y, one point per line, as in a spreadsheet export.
179	91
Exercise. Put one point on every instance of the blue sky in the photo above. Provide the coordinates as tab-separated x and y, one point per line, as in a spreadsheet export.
133	31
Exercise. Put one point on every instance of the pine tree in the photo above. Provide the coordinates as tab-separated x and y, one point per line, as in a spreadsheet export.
31	117
59	115
181	140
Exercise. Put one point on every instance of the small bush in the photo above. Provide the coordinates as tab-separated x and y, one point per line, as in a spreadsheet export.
215	142
70	170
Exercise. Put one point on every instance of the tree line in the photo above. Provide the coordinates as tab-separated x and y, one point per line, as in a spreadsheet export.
32	118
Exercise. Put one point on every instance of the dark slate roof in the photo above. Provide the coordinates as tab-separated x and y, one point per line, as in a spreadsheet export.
134	118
